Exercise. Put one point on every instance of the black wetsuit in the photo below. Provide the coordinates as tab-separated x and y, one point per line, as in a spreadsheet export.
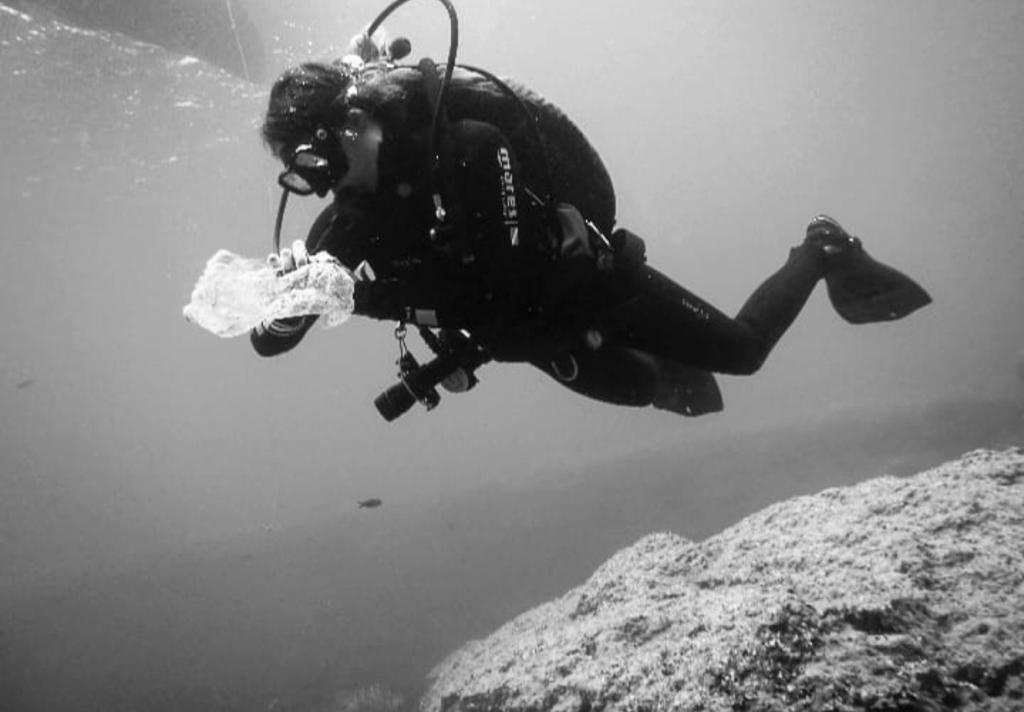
486	270
501	271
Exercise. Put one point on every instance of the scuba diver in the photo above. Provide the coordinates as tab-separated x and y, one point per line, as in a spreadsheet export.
476	211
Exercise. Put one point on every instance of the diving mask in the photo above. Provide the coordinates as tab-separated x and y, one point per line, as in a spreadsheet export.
314	167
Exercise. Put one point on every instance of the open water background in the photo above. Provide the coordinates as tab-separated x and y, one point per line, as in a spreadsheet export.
178	520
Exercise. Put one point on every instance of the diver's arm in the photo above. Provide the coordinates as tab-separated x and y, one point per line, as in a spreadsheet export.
346	230
281	335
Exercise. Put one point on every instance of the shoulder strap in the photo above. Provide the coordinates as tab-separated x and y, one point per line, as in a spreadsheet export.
441	190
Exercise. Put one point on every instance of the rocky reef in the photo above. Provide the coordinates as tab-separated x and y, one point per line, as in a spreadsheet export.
894	594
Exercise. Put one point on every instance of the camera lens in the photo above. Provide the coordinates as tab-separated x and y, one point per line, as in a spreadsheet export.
394	401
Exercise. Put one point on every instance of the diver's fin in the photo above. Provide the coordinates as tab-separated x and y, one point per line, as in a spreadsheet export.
686	390
864	290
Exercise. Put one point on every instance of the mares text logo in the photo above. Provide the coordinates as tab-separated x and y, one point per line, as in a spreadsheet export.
508	196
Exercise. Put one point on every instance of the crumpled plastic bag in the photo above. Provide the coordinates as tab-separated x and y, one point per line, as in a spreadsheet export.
235	293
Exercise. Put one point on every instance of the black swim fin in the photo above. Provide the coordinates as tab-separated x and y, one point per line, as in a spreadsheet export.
863	290
685	390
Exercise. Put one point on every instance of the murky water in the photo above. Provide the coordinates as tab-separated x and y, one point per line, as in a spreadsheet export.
179	526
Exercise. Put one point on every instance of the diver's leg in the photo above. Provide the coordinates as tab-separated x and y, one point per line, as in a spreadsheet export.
614	375
667	321
625	376
672	322
775	304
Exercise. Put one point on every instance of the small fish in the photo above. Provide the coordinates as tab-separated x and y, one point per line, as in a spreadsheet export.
21	385
370	503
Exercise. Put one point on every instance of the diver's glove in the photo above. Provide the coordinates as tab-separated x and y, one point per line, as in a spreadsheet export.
289	260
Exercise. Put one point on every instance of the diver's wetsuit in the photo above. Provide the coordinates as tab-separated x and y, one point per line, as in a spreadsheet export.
681	326
501	273
486	271
664	326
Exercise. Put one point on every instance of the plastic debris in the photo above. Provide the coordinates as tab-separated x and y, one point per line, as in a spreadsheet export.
235	293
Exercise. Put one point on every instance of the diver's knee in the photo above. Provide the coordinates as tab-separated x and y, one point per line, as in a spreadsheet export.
746	368
748	361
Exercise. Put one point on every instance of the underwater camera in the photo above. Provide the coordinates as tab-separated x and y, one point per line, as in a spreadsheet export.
457	358
416	384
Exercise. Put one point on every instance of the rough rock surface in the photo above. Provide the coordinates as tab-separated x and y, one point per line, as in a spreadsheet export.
895	594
